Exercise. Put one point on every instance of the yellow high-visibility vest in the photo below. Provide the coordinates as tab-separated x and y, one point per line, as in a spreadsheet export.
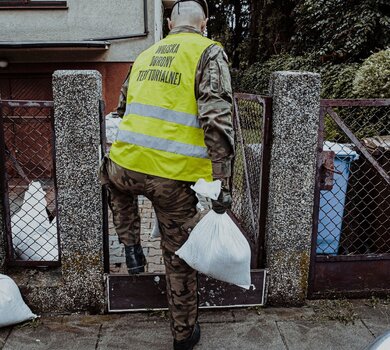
160	133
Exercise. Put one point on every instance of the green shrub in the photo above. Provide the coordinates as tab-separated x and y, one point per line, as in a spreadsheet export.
255	79
336	80
372	80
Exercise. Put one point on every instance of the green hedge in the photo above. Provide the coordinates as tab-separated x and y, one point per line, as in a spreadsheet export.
371	79
337	80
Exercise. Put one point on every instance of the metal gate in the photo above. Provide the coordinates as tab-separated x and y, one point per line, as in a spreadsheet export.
249	185
351	233
28	184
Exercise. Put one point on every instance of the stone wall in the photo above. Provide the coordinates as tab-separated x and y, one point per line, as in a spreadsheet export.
78	285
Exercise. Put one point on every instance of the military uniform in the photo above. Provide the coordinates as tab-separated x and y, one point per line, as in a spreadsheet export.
173	200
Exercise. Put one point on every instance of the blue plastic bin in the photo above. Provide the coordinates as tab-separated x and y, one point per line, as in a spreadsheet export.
332	202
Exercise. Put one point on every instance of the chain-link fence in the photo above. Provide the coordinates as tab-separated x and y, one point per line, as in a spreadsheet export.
354	215
250	168
28	180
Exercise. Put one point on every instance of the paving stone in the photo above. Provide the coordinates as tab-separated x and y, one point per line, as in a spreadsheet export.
52	333
216	316
4	333
368	309
248	336
272	313
120	334
324	335
377	326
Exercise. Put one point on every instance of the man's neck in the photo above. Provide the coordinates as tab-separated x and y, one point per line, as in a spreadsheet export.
185	29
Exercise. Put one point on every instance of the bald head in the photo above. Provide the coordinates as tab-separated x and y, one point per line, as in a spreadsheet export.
188	13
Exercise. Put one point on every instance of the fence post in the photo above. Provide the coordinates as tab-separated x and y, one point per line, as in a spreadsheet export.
80	216
295	122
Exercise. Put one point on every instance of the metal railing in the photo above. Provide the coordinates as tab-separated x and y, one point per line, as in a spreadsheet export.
354	212
28	182
252	125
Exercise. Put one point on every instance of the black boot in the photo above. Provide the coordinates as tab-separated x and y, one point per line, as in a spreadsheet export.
135	259
190	342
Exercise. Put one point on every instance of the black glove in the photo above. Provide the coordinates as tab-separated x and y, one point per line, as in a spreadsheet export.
223	203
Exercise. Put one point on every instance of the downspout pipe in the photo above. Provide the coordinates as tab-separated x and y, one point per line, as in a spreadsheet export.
130	36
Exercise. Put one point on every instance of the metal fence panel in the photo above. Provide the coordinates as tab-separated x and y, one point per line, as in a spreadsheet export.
354	215
252	119
28	181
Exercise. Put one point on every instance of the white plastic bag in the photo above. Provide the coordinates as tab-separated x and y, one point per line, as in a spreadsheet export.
205	191
217	248
12	307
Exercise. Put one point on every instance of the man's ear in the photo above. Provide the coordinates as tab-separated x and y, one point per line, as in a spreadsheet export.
170	24
204	25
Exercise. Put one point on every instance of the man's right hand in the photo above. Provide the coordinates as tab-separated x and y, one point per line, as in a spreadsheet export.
223	203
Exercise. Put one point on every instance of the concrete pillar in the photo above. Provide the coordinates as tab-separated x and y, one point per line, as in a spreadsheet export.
77	130
295	121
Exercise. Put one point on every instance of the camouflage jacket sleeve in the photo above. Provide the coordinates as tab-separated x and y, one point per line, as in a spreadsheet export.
215	107
121	109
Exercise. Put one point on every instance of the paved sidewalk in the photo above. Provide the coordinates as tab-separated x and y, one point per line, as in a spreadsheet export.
321	325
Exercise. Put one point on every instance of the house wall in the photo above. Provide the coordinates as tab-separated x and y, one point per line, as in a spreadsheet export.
83	20
33	81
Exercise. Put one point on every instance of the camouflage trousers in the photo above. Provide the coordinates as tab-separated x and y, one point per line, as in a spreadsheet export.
174	203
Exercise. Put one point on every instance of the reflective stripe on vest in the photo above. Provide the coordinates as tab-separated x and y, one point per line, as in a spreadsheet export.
163	114
162	144
160	133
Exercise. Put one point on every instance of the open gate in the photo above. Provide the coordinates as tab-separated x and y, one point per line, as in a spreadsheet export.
249	184
351	235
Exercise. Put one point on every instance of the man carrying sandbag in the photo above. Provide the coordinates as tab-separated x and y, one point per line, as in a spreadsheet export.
176	107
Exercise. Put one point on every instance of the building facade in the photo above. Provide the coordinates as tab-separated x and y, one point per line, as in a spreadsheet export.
39	37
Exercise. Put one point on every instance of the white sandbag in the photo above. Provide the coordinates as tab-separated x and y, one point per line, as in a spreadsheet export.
217	248
12	307
33	236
